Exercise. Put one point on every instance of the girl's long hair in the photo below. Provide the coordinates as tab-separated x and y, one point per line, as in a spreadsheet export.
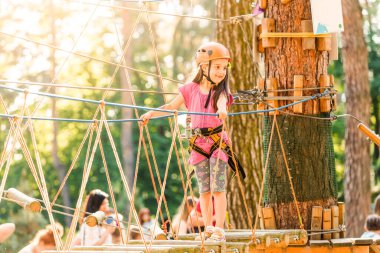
94	201
222	87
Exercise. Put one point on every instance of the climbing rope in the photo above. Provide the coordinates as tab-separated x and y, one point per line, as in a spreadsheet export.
289	177
86	56
68	86
150	146
148	11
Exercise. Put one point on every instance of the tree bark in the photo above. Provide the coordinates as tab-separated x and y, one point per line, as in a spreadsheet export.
56	161
245	130
357	190
307	142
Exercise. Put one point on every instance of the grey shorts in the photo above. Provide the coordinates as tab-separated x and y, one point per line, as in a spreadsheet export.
209	177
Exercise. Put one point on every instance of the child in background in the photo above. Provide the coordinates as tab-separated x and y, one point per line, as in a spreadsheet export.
372	227
180	220
44	240
145	222
97	200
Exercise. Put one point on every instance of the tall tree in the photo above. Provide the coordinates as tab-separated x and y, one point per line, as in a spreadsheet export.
357	165
374	67
246	131
307	142
58	165
127	147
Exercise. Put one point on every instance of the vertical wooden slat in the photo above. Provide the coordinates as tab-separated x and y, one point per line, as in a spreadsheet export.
269	220
316	221
298	84
326	225
267	26
324	81
342	220
335	220
307	43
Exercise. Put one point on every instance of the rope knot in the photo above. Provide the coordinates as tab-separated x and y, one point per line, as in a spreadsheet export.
16	117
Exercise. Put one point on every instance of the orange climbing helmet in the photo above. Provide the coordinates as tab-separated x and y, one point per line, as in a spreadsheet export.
211	51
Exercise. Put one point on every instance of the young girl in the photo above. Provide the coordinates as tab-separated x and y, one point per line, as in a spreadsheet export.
207	93
97	200
44	240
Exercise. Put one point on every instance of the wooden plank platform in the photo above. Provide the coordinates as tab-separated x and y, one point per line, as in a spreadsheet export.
267	241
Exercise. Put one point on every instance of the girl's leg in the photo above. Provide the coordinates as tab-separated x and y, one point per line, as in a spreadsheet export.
218	181
206	208
220	212
202	171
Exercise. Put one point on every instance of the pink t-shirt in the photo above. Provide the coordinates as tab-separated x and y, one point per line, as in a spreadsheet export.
195	102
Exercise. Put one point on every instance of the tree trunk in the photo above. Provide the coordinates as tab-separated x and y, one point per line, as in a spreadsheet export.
357	165
126	137
307	142
245	130
56	161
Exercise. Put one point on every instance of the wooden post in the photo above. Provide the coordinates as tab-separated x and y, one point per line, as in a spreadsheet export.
326	225
307	43
335	220
316	221
369	133
324	81
272	85
334	98
324	44
267	26
269	220
298	84
342	220
263	4
261	86
315	106
24	200
332	80
260	47
261	219
95	218
255	43
333	53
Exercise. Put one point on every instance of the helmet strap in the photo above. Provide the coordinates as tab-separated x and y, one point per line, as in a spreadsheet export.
212	84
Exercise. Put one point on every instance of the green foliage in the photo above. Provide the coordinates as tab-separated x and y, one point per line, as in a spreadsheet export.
28	61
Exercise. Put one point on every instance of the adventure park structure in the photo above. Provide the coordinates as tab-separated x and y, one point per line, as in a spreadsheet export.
297	210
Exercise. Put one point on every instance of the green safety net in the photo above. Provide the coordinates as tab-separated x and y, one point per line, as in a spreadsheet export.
309	152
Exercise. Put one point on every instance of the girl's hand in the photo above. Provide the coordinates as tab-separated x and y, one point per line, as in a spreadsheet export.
222	115
145	118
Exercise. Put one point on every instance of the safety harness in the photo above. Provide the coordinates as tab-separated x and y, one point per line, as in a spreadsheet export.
233	161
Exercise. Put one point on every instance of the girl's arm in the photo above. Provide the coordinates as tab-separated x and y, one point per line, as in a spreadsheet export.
173	105
222	107
105	234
